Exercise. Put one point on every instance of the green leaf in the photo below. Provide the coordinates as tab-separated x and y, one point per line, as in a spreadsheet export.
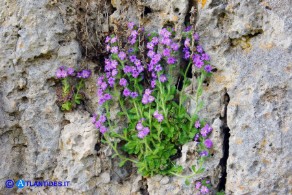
67	106
122	163
187	182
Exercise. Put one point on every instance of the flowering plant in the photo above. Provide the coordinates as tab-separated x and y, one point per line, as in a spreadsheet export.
139	76
72	84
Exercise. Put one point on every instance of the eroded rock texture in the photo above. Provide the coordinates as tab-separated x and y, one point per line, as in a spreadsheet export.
248	100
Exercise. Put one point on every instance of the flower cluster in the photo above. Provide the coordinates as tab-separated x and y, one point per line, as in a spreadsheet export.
138	75
199	57
99	124
203	186
72	85
63	72
142	131
202	136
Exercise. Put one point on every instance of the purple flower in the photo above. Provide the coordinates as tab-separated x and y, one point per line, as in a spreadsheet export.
171	60
144	132
130	50
97	124
103	86
150	45
126	92
140	69
115	49
199	63
158	116
108	48
198	185
135	73
204	190
114	64
162	78
133	58
166	52
148	92
131	25
70	71
93	118
103	129
208	181
153	84
187	42
137	62
123	82
122	55
107	96
134	94
134	33
151	99
174	46
204	153
154	76
114	72
114	39
158	68
107	39
196	36
187	55
199	49
208	68
111	81
166	41
150	53
102	118
85	74
197	124
196	137
145	99
139	126
205	57
165	33
99	80
208	143
61	73
155	40
127	69
188	28
206	129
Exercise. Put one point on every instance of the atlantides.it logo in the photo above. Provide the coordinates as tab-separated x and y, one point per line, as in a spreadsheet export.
22	183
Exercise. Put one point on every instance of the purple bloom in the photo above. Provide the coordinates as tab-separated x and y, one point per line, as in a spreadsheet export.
127	69
204	190
114	72
208	68
85	74
197	124
134	33
153	74
199	49
107	39
150	45
130	50
100	80
150	53
205	57
122	55
162	78
99	92
115	49
103	129
93	119
123	82
111	81
208	143
133	58
114	64
148	92
196	36
165	33
108	48
145	99
132	41
126	92
135	73
103	86
140	69
134	94
70	71
171	60
139	126
102	118
97	124
137	62
166	41
204	153
175	46
61	73
187	42
153	84
155	40
107	96
198	185
144	132
158	116
196	137
131	25
187	55
114	39
151	99
166	52
199	63
208	181
158	68
188	28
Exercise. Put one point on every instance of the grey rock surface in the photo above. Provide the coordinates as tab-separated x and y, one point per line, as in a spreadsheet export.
249	95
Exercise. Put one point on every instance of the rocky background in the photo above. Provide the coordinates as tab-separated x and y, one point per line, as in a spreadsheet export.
248	100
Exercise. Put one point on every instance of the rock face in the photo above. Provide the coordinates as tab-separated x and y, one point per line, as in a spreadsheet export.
248	100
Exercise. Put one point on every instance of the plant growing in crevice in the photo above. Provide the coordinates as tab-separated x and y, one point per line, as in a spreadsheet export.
73	82
138	75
